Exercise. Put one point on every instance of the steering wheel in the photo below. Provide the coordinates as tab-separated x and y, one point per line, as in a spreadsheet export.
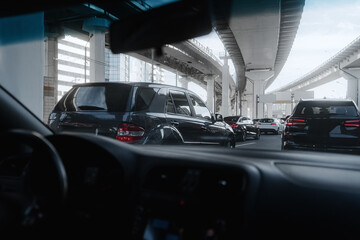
41	180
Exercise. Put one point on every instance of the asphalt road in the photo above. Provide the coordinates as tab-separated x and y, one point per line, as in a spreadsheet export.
266	141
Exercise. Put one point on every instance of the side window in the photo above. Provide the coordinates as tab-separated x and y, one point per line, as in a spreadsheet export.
170	107
200	109
143	98
181	103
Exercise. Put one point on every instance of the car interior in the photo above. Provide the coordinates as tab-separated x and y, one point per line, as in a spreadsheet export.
78	184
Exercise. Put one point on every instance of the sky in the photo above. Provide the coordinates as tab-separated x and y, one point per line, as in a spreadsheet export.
326	27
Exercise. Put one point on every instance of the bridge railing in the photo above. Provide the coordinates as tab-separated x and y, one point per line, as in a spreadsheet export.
205	50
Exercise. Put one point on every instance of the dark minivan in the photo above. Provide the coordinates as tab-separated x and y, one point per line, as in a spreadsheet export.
324	125
143	113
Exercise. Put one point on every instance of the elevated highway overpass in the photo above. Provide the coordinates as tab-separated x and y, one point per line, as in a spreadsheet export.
344	64
259	40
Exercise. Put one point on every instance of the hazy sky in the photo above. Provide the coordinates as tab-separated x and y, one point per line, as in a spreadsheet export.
325	28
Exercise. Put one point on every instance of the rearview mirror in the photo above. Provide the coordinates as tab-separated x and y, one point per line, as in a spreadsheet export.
168	24
219	118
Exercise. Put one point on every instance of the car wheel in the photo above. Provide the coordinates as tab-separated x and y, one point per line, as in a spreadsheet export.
257	136
243	139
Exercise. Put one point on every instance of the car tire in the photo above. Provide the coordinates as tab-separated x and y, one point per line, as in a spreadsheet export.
257	136
243	137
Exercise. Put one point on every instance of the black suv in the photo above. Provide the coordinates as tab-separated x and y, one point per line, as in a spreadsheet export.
142	113
243	127
323	125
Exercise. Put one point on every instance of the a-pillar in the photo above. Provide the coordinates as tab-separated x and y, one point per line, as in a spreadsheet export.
210	88
184	82
97	28
22	63
50	76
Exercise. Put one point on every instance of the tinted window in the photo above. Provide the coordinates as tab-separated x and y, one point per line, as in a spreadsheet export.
326	108
231	119
266	120
200	108
181	103
110	97
143	98
170	107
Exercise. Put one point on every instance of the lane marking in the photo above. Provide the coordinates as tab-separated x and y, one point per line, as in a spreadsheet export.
244	144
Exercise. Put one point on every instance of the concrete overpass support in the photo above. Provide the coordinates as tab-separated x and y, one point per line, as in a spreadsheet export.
257	106
259	78
97	57
210	89
184	82
353	84
97	28
50	76
269	107
225	89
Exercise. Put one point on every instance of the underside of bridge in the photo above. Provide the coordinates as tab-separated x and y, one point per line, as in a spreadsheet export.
259	40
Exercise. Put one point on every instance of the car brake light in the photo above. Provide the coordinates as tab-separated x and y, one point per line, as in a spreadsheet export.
129	133
234	125
295	121
258	123
352	123
273	124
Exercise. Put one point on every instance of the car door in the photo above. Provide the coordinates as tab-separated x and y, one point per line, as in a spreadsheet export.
179	115
212	132
251	128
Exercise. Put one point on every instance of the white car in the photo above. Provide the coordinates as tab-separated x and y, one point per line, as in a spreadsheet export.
272	125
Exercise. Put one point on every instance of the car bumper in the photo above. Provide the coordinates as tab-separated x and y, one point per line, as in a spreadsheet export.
289	145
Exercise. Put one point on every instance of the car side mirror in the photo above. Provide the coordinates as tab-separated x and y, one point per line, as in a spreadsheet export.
219	118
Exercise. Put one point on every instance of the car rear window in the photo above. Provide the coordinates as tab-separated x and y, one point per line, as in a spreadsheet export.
111	98
231	119
266	120
326	108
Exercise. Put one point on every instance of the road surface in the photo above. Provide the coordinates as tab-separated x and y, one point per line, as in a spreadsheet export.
266	141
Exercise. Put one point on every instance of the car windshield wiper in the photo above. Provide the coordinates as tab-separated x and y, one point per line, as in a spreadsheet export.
88	107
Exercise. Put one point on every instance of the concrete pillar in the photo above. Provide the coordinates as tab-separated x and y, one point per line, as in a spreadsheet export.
225	89
184	82
50	76
269	109
258	111
353	84
351	89
288	109
97	28
22	63
210	89
97	57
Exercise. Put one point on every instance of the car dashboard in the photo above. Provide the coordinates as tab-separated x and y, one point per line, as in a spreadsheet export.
180	192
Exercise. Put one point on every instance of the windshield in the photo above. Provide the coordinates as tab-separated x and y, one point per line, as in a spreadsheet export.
255	71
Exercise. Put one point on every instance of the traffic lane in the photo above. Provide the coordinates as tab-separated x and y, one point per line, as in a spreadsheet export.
266	141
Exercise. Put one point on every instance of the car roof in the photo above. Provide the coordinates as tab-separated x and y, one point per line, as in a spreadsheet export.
326	100
135	84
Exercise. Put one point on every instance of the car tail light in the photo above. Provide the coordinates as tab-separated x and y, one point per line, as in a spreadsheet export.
273	124
258	123
295	121
234	125
352	123
129	133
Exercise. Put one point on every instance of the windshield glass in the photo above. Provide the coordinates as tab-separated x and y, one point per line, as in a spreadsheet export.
266	70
